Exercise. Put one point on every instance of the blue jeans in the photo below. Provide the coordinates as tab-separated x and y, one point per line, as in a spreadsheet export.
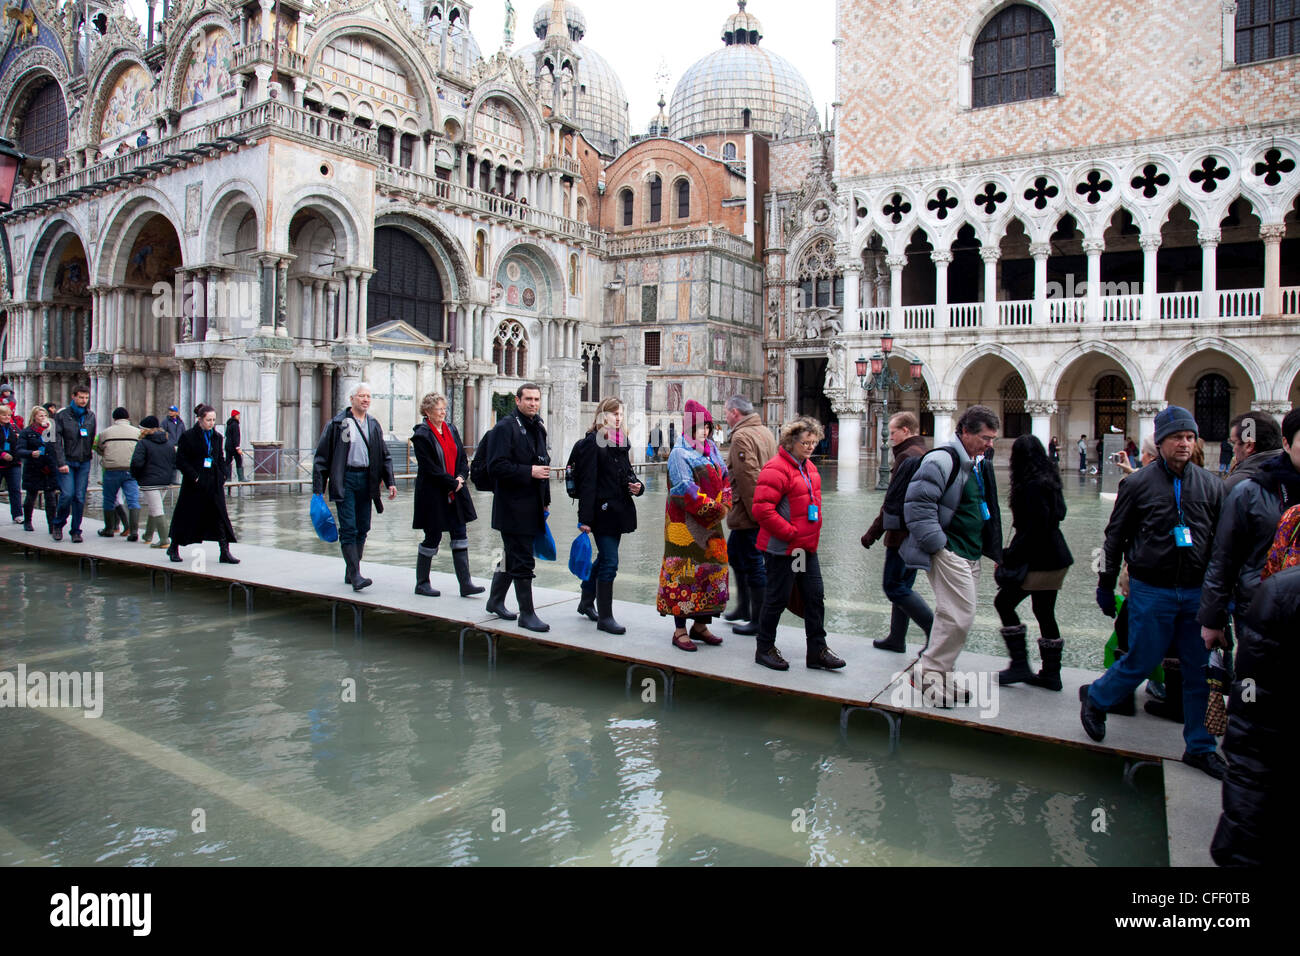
72	494
1157	618
748	563
354	509
897	584
115	480
606	566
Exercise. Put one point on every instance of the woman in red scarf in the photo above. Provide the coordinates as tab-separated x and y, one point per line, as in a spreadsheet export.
442	501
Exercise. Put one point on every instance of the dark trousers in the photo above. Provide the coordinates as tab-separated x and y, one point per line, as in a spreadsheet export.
519	560
747	560
781	577
606	568
12	478
897	582
458	534
1043	603
354	509
238	459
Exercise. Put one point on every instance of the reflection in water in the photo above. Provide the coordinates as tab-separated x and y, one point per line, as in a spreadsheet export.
306	747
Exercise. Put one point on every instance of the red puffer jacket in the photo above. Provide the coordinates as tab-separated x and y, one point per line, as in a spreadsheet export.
781	501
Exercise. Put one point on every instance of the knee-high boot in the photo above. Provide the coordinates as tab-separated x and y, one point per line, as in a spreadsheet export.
226	556
28	507
605	603
423	563
586	606
133	524
742	611
496	603
1049	675
160	525
524	595
460	560
1017	647
110	523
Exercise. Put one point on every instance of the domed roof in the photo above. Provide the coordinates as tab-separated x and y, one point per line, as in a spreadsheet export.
602	102
714	92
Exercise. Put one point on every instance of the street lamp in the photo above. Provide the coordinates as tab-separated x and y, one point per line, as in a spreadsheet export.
881	379
11	161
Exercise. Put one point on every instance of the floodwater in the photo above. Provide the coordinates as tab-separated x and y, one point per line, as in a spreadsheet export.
269	739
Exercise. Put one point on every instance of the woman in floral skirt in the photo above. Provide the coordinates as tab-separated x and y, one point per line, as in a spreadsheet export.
693	577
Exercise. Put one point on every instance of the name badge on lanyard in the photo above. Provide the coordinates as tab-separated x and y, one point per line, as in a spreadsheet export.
207	462
979	480
85	433
1182	533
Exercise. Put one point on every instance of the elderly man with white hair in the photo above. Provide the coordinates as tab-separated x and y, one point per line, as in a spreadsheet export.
352	463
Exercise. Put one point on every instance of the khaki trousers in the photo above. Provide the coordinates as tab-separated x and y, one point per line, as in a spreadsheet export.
954	580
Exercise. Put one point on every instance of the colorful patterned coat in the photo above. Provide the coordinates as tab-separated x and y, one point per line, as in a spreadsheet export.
693	577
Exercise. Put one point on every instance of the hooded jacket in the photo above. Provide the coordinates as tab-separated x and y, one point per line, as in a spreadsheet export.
154	460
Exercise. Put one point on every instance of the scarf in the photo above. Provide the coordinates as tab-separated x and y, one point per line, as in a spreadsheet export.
1279	476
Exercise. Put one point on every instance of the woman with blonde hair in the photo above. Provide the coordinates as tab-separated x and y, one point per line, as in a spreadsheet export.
602	471
442	499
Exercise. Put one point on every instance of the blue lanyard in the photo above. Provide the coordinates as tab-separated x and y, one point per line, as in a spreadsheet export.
979	479
207	437
1178	499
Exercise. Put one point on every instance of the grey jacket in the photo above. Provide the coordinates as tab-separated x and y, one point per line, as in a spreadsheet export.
928	509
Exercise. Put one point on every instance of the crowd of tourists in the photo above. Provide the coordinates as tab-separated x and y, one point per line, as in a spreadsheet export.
1207	565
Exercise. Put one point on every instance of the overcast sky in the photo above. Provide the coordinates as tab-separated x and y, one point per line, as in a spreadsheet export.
640	38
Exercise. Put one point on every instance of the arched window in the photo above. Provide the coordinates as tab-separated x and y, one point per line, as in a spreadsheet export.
386	143
1212	411
44	129
683	199
591	368
405	286
1267	29
656	198
626	198
1014	58
819	283
745	116
1111	405
729	151
480	253
510	350
406	157
1015	420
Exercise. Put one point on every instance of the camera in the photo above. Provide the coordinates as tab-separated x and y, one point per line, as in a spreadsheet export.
1117	457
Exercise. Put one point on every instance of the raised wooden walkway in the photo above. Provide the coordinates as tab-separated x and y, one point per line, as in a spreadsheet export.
873	682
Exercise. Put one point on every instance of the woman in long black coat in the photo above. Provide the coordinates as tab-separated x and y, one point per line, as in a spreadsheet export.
602	469
442	500
200	513
1033	564
39	463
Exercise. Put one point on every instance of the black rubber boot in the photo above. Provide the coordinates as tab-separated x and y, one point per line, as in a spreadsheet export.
742	611
28	507
1049	675
423	562
120	511
1171	708
133	524
605	602
346	550
174	553
496	603
524	595
110	524
587	606
460	559
353	559
226	556
1018	671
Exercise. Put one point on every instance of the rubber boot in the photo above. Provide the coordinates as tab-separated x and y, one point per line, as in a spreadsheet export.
110	523
497	597
587	606
122	519
605	602
1171	708
423	562
28	507
160	523
751	603
460	560
742	611
524	595
148	529
226	556
352	554
1018	671
133	524
1049	675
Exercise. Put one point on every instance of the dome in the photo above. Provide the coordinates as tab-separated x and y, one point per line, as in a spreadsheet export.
714	93
462	49
602	103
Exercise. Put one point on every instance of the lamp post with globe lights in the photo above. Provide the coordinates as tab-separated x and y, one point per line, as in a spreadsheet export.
880	380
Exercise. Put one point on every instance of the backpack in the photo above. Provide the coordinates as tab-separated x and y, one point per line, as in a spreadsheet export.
897	492
479	474
1285	551
571	479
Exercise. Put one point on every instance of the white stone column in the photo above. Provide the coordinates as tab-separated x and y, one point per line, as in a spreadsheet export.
942	258
850	417
350	324
1271	236
1094	248
150	393
306	381
896	265
268	395
990	255
119	320
1150	285
944	424
363	302
201	391
1040	251
1209	240
852	271
186	391
1040	420
487	320
631	389
1146	413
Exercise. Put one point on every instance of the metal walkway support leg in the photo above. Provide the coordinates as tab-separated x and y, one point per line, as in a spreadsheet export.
94	565
895	722
248	595
492	640
667	673
1131	767
357	613
167	579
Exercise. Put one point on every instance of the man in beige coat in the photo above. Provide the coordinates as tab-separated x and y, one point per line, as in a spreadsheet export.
750	447
116	446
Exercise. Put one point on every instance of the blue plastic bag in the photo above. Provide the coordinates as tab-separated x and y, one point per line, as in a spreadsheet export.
580	556
323	520
544	544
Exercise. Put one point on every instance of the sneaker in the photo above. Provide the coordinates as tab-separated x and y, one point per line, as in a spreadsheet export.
1210	762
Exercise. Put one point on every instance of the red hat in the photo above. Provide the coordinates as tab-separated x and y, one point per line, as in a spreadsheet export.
695	414
234	413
